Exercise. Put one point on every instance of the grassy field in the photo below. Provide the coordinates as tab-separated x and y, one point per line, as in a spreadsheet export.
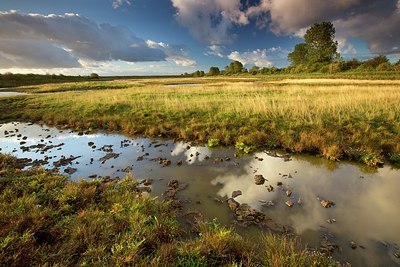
46	220
354	119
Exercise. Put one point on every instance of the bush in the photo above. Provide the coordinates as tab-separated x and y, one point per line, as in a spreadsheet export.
384	67
94	76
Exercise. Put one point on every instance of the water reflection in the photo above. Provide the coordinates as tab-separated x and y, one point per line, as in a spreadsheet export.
366	209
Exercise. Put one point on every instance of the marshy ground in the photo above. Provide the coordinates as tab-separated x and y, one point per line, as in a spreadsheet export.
338	119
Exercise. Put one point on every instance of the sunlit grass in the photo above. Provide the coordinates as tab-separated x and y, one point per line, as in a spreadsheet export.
340	118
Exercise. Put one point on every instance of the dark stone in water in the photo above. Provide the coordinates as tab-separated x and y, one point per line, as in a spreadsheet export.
326	203
111	155
65	161
270	188
70	170
246	215
353	244
327	246
148	182
236	193
289	203
259	179
288	193
179	162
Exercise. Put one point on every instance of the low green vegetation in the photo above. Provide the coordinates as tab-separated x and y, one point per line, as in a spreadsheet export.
336	118
47	220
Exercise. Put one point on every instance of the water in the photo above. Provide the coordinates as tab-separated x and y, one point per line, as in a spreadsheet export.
183	84
367	201
8	94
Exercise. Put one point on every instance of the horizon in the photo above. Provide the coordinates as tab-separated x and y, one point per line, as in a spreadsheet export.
153	37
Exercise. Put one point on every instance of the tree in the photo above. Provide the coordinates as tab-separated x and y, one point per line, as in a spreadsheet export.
320	43
254	70
319	46
235	67
214	71
299	55
94	76
376	61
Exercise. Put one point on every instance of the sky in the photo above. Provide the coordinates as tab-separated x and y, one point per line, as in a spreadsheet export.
163	37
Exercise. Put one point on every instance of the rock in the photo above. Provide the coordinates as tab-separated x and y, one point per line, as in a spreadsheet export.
179	162
233	204
227	159
270	188
260	159
288	193
396	254
108	156
268	204
353	244
64	161
139	158
259	179
174	184
70	170
90	144
327	204
165	162
290	176
147	182
206	157
236	193
218	159
279	183
331	220
289	203
327	246
93	176
197	154
219	200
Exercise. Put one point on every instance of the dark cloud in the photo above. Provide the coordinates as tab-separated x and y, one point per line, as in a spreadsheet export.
374	21
13	53
82	38
209	21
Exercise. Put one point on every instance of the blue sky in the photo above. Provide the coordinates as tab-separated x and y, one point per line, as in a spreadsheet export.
142	37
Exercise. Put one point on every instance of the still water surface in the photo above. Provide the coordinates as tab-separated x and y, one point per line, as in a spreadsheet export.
367	208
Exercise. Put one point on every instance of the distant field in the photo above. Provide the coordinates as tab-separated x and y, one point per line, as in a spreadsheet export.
337	118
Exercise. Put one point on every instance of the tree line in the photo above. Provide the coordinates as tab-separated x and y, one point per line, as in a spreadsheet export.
318	53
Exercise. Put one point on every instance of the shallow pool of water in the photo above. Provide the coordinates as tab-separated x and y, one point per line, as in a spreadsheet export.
366	206
8	94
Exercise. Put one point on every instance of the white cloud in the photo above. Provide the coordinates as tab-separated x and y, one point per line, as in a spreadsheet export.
261	58
215	50
345	48
257	57
68	38
119	3
175	53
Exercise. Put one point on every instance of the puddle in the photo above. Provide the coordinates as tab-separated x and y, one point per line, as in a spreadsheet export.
366	206
183	84
7	94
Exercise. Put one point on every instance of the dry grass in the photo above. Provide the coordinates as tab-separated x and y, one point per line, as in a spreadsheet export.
353	119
